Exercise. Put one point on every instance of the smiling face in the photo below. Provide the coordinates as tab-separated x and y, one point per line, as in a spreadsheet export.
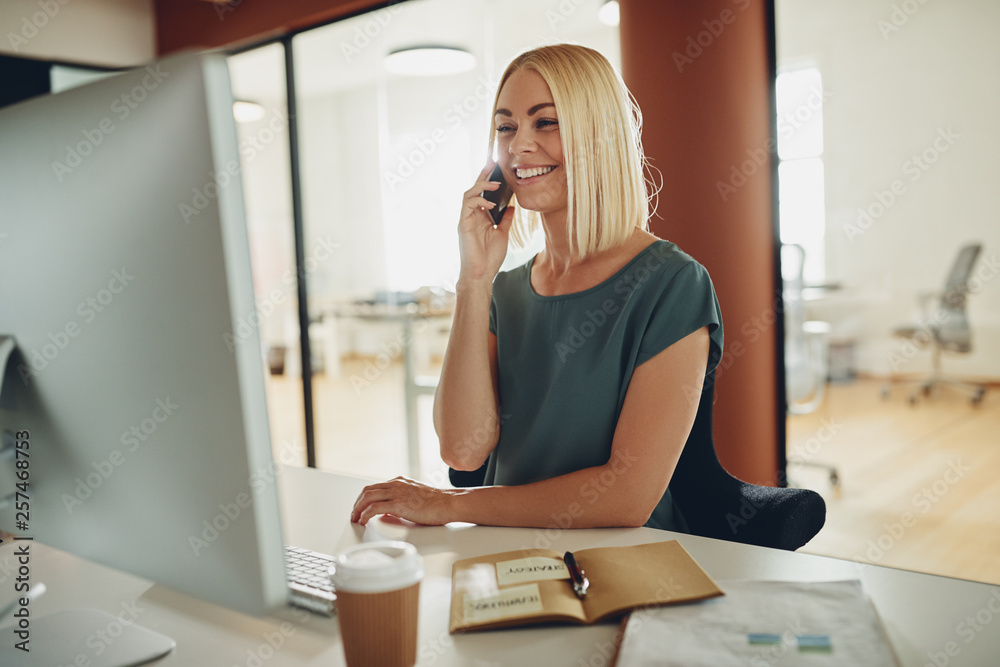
529	146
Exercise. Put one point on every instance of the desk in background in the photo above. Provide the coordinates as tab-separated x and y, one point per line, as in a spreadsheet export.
414	386
924	615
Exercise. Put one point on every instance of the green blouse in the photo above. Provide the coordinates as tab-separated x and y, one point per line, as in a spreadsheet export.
566	362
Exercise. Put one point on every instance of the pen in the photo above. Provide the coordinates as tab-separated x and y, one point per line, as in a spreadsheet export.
578	576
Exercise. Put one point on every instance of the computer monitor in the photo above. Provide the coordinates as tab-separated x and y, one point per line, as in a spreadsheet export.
125	282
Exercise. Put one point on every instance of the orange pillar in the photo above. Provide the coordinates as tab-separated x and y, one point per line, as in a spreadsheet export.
702	75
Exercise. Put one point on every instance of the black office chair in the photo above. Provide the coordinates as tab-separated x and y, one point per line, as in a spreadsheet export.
718	505
946	329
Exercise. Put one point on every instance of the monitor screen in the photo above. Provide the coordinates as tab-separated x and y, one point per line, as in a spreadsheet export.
124	275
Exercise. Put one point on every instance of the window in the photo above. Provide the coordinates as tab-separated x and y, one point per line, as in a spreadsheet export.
383	162
800	172
258	82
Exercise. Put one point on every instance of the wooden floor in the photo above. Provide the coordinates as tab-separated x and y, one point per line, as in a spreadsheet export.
920	484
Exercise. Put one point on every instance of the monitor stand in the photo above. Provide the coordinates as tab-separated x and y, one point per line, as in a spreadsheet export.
63	637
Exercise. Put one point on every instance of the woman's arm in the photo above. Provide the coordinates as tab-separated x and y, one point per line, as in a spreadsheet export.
466	402
656	419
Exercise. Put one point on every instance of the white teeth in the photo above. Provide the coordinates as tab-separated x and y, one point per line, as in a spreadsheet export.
537	171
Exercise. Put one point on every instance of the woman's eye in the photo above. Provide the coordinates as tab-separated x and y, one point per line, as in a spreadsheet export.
504	128
547	122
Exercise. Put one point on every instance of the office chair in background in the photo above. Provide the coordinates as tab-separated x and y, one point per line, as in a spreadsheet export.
716	504
946	328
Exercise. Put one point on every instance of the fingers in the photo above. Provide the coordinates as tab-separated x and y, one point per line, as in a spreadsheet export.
483	182
508	219
371	494
373	511
393	497
475	204
473	199
476	191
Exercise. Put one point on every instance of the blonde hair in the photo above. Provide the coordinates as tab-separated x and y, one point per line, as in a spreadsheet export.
599	126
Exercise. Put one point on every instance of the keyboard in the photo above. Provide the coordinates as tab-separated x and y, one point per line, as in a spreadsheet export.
308	574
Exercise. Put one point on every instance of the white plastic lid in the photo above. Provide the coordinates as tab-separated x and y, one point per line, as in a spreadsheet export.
377	567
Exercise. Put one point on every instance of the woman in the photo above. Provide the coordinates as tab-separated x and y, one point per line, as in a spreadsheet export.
577	375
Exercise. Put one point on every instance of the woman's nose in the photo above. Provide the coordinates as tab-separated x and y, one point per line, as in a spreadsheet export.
521	143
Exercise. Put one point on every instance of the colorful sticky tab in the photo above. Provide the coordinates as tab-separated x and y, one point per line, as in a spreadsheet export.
817	643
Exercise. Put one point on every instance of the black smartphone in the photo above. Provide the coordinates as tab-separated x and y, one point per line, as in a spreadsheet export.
501	196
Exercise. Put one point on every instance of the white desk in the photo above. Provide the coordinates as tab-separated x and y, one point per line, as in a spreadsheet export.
922	613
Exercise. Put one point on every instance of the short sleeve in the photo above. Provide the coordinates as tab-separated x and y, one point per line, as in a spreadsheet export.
683	304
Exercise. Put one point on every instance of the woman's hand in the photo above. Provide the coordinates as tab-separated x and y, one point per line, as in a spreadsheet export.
406	499
482	246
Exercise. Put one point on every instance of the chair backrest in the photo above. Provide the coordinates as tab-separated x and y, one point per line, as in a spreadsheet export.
956	287
951	325
716	504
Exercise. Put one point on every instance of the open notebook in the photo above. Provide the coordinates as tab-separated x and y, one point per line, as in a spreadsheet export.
533	585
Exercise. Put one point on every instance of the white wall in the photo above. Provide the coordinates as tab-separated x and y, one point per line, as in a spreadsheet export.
109	33
898	82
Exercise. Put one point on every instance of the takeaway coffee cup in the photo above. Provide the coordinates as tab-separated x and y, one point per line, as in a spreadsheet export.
377	586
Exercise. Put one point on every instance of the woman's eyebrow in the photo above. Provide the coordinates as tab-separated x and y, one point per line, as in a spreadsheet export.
531	112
